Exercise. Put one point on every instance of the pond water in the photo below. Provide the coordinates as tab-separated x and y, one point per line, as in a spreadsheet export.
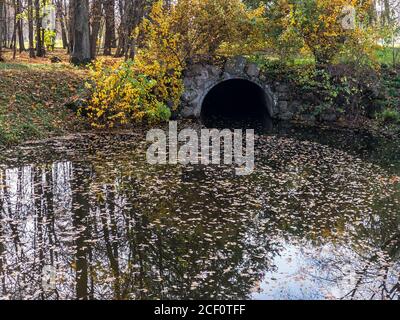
86	217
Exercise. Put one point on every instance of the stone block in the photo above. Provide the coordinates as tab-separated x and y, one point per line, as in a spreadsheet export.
189	95
252	70
329	117
286	116
283	106
235	65
282	88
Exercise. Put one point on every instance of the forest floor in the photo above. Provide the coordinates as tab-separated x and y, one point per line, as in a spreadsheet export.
33	93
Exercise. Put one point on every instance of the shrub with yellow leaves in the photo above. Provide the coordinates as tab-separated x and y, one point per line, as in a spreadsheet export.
202	29
122	95
148	88
320	24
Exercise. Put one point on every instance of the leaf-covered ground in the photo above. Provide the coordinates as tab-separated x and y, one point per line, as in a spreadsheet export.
32	97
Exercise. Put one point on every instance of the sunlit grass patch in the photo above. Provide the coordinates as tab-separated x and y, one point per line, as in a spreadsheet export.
388	56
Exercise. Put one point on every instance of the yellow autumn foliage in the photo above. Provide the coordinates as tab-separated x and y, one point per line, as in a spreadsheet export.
202	29
320	23
148	88
190	31
122	94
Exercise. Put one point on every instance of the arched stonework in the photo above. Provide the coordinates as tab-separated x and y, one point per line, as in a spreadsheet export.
200	79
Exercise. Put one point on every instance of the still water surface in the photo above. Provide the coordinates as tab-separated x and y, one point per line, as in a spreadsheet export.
87	217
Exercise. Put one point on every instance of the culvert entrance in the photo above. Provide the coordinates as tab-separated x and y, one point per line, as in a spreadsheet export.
235	100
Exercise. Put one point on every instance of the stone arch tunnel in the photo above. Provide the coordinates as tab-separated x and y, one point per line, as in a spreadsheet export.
236	90
240	89
235	99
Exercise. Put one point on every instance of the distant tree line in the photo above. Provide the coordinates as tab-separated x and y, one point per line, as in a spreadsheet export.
86	28
91	27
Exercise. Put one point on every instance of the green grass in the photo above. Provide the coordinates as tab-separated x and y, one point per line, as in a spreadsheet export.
385	55
389	116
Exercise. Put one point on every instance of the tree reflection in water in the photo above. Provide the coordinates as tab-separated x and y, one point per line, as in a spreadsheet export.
106	243
113	227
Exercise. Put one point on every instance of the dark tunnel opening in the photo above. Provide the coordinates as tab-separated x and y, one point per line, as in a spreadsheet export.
235	101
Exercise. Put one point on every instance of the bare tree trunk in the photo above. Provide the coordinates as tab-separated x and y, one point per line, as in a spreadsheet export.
121	39
39	44
6	32
70	26
20	27
81	53
61	20
14	37
386	12
133	14
30	27
2	31
109	40
95	26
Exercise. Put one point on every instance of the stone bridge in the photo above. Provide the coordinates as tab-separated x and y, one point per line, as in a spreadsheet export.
238	87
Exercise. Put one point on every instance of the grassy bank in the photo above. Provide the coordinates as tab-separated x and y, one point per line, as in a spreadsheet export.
32	97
